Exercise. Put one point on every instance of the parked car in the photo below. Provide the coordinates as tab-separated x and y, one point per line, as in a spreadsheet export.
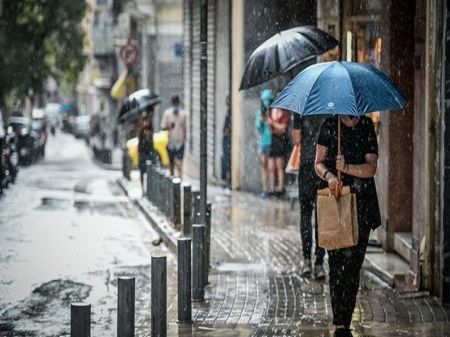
160	141
81	127
27	142
39	134
3	159
13	156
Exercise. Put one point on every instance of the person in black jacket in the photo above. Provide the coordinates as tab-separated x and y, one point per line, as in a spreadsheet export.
305	132
358	164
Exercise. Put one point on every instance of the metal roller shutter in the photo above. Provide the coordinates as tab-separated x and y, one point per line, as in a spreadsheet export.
187	59
195	82
211	91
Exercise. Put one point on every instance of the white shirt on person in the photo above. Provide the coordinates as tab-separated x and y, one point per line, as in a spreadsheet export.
175	123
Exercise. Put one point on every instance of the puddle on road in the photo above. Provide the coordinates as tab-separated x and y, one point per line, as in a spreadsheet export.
44	309
53	184
57	204
101	207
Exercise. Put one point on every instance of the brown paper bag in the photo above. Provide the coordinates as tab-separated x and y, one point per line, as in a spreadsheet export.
337	219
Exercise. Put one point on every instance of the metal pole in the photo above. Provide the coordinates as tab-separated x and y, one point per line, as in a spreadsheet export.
125	307
203	107
159	296
187	210
176	204
196	201
80	320
207	242
126	164
184	281
148	168
198	282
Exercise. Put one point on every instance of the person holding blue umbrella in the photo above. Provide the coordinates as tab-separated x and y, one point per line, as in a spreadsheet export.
346	154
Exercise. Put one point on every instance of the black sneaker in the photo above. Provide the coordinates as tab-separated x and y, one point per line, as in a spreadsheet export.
280	194
319	272
306	268
264	195
343	332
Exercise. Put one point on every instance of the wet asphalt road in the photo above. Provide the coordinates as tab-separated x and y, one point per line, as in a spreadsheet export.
67	232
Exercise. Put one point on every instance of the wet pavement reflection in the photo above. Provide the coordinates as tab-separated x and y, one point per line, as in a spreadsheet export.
68	232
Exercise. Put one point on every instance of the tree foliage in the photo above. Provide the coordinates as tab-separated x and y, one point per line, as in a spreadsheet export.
43	38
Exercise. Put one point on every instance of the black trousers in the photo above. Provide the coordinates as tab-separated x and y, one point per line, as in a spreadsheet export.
345	265
307	207
307	188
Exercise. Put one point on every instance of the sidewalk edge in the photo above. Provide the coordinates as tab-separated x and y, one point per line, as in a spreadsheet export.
158	222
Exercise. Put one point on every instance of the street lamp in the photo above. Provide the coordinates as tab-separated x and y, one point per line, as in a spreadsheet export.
203	108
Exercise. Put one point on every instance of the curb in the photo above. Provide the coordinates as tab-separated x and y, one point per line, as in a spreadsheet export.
159	222
109	167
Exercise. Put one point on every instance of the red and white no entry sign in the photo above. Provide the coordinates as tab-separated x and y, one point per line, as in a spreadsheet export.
129	54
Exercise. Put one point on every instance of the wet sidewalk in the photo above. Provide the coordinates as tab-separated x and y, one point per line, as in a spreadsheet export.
255	286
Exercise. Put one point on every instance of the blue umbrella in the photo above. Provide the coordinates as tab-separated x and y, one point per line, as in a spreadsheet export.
344	88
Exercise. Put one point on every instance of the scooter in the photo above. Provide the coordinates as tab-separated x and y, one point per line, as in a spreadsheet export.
13	155
4	172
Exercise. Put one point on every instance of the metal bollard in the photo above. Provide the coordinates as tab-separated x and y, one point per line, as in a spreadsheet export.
187	210
151	194
176	202
169	210
159	296
125	307
198	257
167	188
160	197
196	207
184	281
207	242
80	320
148	168
126	164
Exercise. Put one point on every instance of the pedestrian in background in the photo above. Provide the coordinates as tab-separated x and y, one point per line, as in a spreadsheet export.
174	120
145	146
226	146
280	148
264	137
305	132
358	163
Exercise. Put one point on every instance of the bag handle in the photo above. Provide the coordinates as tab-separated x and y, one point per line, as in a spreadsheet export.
337	192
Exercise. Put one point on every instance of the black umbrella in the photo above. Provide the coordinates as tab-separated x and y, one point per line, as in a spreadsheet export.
284	51
136	103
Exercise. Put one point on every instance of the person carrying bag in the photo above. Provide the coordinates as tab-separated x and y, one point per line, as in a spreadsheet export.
346	161
337	213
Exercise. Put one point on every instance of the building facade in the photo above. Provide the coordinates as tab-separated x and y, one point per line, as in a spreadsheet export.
154	29
407	40
231	40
